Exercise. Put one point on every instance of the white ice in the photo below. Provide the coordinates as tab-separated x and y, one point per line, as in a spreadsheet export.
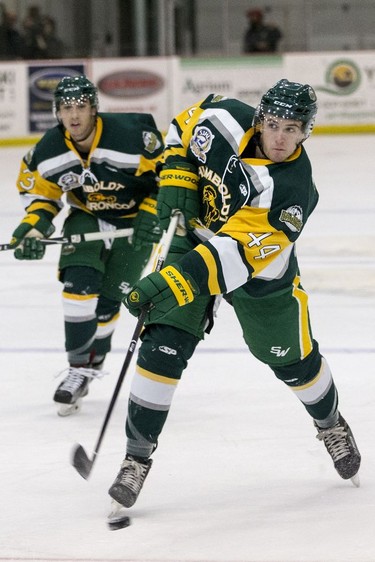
239	474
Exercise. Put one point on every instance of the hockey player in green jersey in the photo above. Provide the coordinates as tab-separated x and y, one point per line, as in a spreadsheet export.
105	166
243	174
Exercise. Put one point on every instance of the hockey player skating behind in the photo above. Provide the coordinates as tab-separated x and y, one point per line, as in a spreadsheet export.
105	165
259	178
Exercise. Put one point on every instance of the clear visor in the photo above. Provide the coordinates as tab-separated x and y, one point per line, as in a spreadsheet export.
262	113
74	100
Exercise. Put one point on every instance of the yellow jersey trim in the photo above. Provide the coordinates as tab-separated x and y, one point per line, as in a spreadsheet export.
208	258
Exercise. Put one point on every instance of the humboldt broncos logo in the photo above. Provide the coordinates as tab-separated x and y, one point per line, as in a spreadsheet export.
201	142
293	218
212	212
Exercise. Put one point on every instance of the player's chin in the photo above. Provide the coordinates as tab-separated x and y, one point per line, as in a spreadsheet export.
76	133
277	155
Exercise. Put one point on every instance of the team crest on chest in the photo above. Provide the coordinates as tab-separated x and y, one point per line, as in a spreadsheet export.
293	218
69	181
201	142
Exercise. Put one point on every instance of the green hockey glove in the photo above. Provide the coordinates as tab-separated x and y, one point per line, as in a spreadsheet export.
26	237
178	190
146	225
164	291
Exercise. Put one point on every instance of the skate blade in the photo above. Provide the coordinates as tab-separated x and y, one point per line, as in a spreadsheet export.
65	410
118	518
355	480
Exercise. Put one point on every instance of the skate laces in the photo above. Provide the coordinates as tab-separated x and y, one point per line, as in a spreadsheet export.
75	378
77	375
88	372
335	439
133	474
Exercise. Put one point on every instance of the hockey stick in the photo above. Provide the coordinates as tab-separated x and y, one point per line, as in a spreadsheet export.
81	462
77	238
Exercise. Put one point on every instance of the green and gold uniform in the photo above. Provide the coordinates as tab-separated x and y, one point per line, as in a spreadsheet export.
252	212
104	190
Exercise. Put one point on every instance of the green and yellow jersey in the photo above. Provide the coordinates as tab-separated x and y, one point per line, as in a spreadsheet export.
110	182
256	208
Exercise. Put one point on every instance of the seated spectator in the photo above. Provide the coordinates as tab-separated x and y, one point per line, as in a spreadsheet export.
260	37
32	29
53	46
41	37
11	41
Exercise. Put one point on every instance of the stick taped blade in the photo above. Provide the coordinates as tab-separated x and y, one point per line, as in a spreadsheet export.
81	461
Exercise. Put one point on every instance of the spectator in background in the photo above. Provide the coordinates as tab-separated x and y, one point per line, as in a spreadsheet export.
3	40
41	39
260	37
52	45
32	28
11	41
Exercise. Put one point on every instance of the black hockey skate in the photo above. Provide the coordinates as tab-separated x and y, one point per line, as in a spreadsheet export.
129	481
341	446
73	388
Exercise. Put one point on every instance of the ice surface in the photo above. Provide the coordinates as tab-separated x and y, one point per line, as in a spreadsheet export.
238	475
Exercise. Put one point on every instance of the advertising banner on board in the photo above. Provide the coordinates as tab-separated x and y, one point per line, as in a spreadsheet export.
344	83
42	81
144	85
245	78
13	100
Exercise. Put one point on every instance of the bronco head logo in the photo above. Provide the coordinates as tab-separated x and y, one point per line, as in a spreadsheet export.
212	212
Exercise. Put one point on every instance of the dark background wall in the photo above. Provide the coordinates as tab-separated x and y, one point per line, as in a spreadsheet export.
202	28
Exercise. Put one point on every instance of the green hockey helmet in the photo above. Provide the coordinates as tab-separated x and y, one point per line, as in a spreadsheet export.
75	89
289	100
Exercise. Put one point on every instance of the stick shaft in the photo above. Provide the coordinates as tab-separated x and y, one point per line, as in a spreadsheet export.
77	238
162	252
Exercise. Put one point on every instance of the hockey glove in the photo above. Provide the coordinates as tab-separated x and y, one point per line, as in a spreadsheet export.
164	291
178	191
146	225
26	237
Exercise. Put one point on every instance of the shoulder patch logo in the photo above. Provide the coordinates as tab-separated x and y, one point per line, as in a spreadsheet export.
201	142
218	98
150	141
293	218
29	155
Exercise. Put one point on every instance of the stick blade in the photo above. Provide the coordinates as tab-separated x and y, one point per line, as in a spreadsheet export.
81	461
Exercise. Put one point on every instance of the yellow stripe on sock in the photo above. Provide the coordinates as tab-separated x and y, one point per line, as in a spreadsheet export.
69	296
155	377
305	337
